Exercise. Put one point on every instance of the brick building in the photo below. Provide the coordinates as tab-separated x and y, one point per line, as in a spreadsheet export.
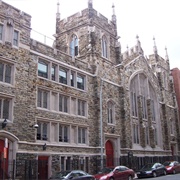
82	99
176	78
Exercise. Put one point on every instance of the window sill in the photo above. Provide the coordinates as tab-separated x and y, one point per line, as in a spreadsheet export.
58	83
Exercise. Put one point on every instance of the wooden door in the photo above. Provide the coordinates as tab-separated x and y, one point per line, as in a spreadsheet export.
109	154
43	167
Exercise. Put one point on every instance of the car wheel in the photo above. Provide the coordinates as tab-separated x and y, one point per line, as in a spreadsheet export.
154	174
174	171
130	178
111	178
165	172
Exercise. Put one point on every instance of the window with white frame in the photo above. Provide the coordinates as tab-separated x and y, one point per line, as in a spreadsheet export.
42	100
63	103
74	46
81	135
5	72
104	47
63	75
43	69
1	32
81	107
63	133
80	82
15	38
136	133
5	105
110	112
42	131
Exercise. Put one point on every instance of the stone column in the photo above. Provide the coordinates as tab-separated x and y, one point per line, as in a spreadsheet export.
140	115
151	130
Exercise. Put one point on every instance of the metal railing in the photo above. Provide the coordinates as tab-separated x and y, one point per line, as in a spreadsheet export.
42	38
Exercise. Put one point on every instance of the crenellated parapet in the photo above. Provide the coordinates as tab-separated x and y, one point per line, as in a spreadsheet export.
81	18
13	19
131	54
12	14
156	60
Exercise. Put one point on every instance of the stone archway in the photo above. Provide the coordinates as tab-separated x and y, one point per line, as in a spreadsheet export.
109	153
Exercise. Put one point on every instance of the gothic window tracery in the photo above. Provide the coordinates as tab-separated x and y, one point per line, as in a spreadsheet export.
110	112
74	45
141	91
104	47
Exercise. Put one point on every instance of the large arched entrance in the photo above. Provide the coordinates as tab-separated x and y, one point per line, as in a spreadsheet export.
109	153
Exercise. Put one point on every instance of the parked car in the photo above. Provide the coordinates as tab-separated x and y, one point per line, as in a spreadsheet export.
152	170
172	167
119	172
103	172
74	174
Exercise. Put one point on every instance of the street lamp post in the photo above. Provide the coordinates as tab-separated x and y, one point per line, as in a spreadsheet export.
101	121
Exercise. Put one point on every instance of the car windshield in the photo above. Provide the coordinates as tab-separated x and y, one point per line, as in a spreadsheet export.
61	174
106	170
148	166
168	163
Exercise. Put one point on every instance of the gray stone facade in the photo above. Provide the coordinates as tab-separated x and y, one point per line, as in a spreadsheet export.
157	132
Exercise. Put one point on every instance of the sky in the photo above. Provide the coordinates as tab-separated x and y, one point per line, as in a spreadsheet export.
145	18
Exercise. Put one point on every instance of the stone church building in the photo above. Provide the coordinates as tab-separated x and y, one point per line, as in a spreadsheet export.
81	103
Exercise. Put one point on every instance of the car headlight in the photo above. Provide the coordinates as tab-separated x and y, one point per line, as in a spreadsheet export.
169	168
103	177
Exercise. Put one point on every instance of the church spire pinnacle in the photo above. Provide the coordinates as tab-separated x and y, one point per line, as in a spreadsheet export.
166	56
58	13
155	47
90	4
114	15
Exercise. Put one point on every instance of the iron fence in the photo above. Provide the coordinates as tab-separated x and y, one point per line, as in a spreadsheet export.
31	169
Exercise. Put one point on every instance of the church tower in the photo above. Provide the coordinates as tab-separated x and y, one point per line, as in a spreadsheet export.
88	33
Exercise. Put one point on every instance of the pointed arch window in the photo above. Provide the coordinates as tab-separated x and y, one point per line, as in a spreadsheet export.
144	102
104	47
110	112
136	133
74	44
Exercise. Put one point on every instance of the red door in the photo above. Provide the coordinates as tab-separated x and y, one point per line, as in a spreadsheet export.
43	167
109	154
3	162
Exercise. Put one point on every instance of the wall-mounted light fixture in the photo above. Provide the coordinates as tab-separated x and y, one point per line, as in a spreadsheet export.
112	130
44	147
34	126
4	123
